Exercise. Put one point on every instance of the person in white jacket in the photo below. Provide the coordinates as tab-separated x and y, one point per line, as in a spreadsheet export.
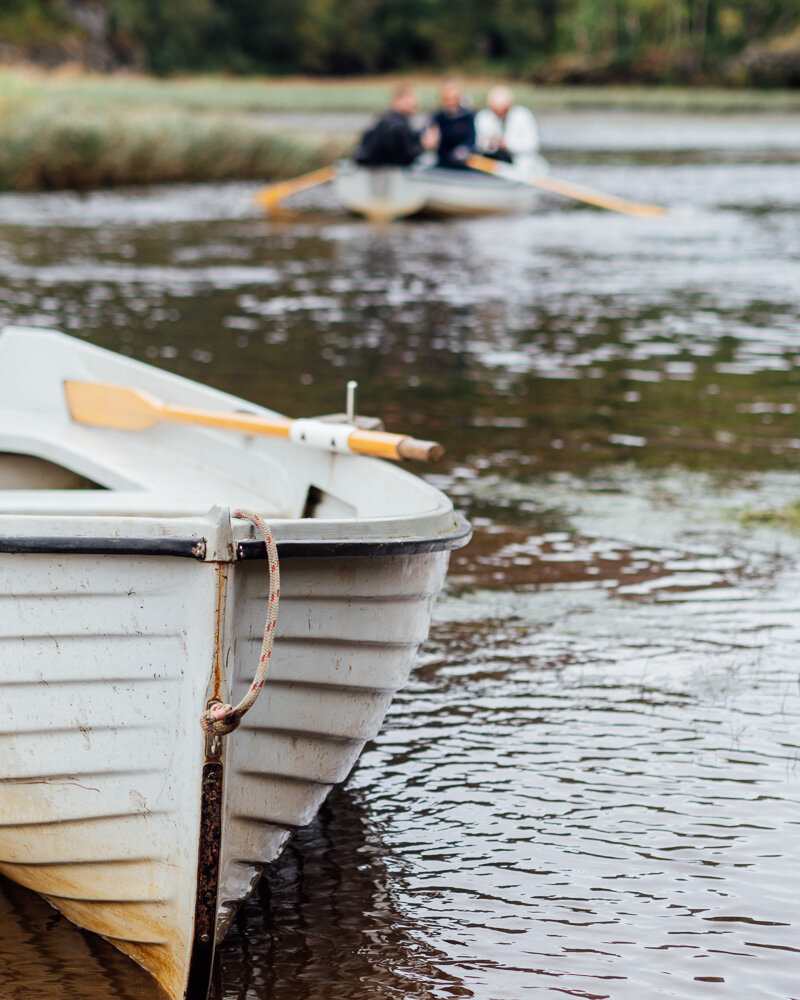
507	131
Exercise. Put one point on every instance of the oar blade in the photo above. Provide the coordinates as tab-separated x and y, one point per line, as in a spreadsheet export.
566	190
125	408
270	197
597	198
116	406
649	211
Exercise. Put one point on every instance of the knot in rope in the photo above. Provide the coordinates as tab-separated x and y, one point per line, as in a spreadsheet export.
221	719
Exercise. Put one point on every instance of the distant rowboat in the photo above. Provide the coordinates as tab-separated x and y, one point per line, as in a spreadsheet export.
132	603
386	193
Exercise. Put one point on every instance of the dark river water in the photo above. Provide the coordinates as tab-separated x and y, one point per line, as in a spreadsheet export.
591	786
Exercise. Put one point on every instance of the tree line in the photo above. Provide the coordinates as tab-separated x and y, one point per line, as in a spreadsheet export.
727	41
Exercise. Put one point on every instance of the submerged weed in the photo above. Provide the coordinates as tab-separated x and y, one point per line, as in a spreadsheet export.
787	517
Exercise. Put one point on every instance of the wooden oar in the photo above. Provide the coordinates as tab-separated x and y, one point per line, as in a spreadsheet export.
125	408
271	196
575	191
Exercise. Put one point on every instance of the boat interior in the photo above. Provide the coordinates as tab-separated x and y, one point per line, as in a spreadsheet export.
52	466
26	472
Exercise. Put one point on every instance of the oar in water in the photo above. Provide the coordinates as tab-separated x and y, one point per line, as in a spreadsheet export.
271	196
575	191
125	408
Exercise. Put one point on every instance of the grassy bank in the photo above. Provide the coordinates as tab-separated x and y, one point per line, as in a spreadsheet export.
367	94
92	132
48	148
82	131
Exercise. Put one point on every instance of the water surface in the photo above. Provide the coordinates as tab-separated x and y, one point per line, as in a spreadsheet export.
590	787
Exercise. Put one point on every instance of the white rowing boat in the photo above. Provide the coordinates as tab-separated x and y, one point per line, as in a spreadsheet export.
131	601
386	193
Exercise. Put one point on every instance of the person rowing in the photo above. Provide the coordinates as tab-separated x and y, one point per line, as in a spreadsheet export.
508	132
393	141
455	123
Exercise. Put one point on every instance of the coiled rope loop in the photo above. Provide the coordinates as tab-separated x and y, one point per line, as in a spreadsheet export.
223	719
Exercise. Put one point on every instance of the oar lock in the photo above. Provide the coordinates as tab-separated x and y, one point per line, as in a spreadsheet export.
332	431
321	434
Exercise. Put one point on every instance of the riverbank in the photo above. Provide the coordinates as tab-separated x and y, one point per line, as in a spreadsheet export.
303	93
80	132
85	131
54	148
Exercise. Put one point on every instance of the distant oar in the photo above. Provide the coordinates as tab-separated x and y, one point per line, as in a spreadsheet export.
574	191
271	196
129	409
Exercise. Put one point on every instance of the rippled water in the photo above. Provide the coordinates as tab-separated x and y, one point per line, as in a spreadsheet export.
591	787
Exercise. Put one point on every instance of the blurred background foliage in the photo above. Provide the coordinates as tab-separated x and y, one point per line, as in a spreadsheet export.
754	42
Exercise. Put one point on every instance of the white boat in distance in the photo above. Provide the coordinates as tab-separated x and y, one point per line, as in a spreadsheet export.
385	193
131	601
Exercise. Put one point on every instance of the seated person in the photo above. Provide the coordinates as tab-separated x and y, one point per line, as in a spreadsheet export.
392	141
507	131
455	122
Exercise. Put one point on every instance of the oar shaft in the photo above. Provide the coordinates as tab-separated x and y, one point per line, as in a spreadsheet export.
126	408
485	163
378	443
242	423
591	197
269	196
574	191
385	445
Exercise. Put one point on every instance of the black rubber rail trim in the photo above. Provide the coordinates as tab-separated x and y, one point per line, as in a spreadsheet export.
252	548
190	548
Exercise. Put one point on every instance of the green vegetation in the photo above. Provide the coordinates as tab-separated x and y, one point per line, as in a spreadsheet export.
96	132
571	41
26	21
243	95
787	517
45	148
75	130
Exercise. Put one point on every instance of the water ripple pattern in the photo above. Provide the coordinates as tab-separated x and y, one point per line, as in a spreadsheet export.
591	787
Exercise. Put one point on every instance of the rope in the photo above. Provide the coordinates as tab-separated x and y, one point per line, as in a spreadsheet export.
223	719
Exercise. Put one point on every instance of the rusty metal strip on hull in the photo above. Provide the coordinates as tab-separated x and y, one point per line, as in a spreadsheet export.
208	859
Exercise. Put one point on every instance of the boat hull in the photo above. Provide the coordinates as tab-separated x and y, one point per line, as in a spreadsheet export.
104	666
348	634
387	193
129	604
106	804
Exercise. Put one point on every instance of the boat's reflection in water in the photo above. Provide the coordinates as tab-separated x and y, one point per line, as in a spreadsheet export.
323	925
45	957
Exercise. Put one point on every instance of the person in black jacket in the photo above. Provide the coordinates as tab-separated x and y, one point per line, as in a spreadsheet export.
455	122
392	141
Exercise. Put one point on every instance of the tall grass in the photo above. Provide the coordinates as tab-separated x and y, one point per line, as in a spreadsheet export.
49	147
85	131
365	94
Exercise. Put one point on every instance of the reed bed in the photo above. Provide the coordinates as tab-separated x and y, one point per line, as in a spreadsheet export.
82	131
50	147
365	94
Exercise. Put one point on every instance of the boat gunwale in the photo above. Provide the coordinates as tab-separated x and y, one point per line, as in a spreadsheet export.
110	545
246	549
459	535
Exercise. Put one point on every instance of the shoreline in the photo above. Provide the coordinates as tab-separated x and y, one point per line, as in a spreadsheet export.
367	93
69	130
